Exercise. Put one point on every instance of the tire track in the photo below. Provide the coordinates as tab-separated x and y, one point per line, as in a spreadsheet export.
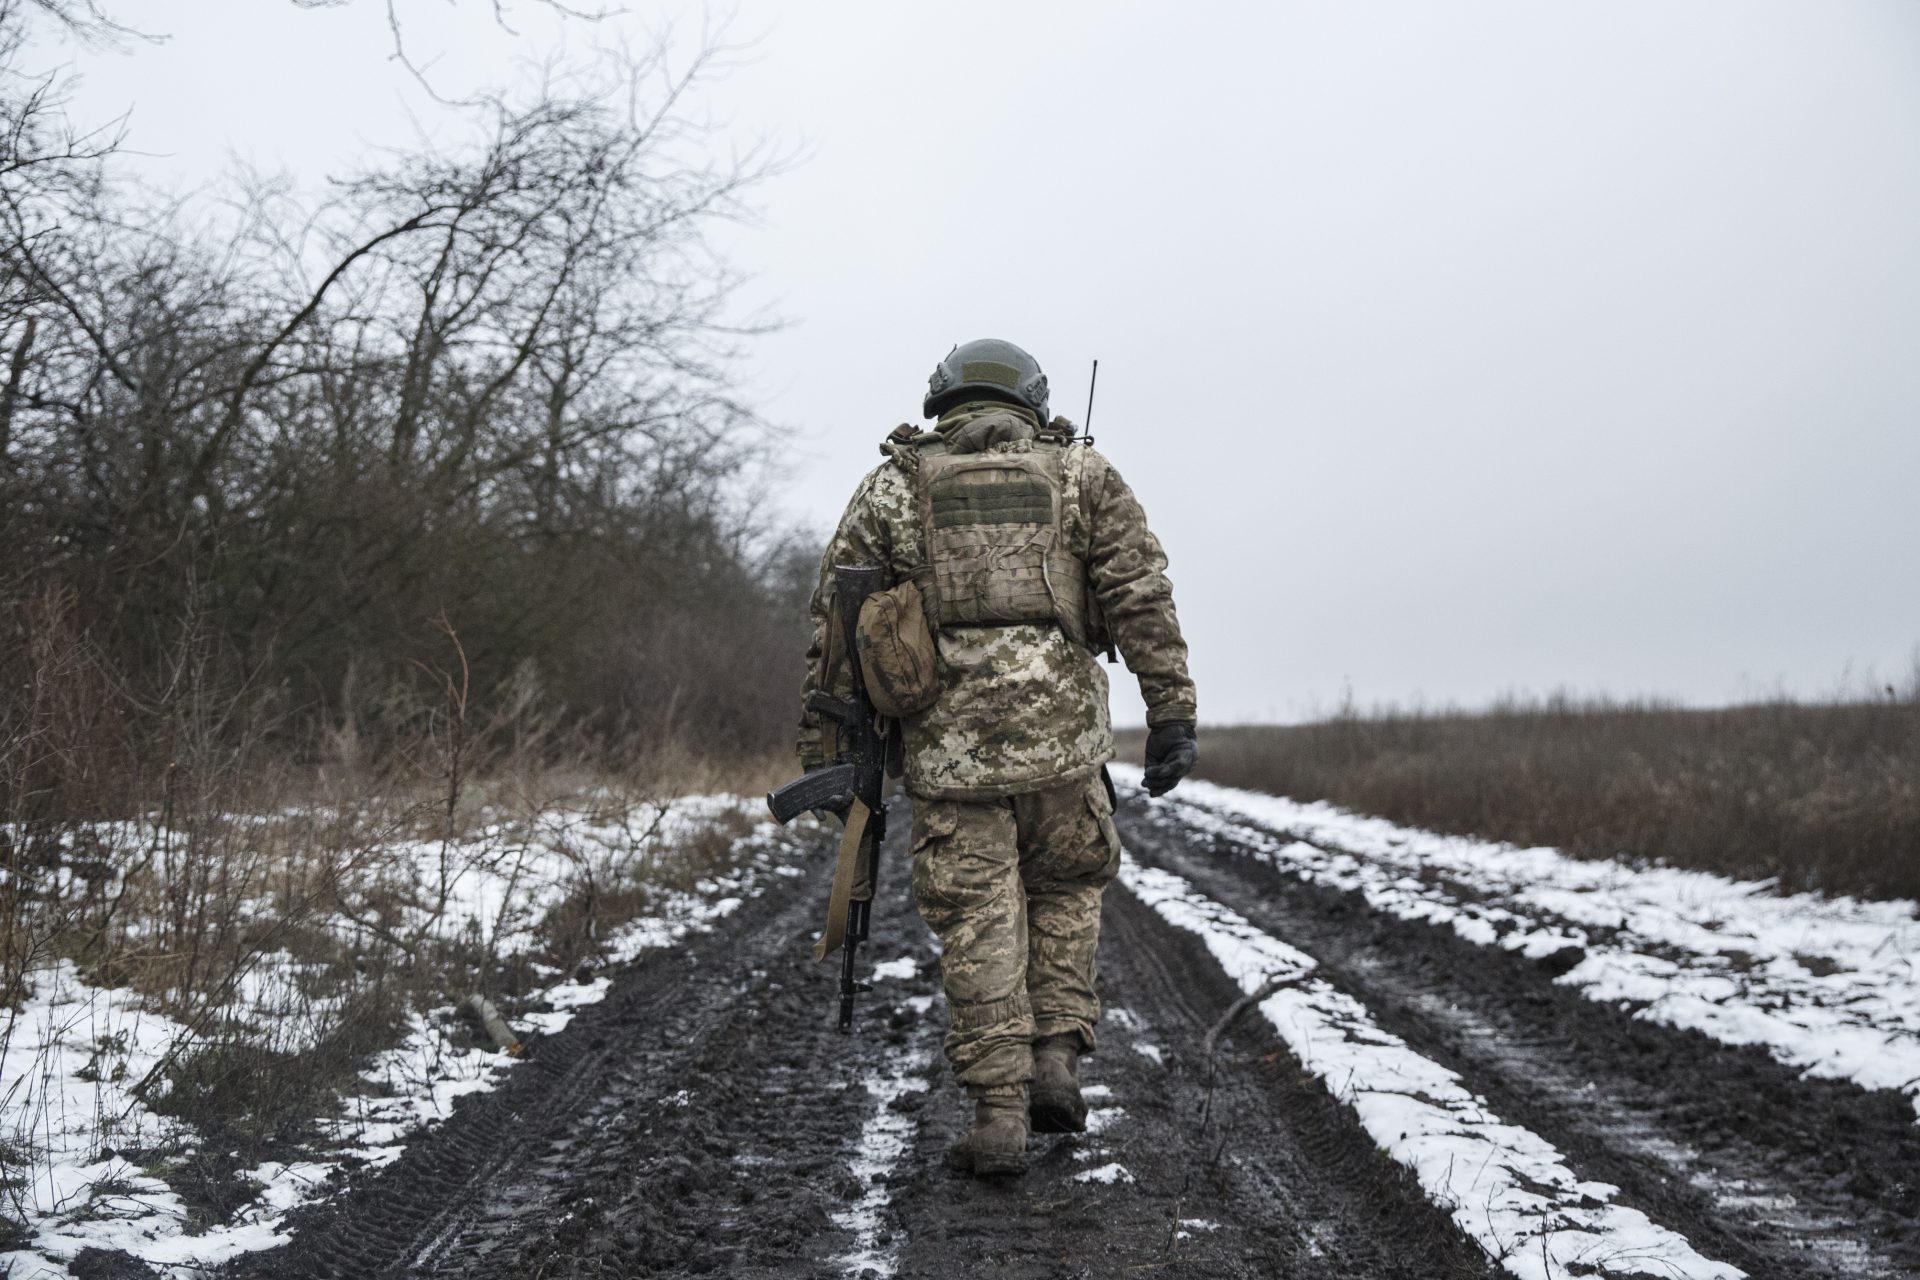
1244	1173
1782	1176
699	1121
706	1120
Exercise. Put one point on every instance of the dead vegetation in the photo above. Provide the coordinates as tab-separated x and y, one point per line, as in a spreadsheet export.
1822	796
381	563
287	920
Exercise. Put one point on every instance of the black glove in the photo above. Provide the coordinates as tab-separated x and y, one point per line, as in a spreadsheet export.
1170	755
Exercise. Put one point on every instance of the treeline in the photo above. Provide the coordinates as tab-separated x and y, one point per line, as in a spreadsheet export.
452	451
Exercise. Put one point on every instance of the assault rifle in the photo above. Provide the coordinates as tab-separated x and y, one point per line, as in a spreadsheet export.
850	787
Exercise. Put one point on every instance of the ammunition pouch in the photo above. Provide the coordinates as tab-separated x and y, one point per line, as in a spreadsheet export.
897	656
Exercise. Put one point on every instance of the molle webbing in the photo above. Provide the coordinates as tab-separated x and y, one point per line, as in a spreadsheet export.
993	500
994	544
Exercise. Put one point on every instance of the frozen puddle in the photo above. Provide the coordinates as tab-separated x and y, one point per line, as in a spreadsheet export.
884	1139
1826	985
1505	1186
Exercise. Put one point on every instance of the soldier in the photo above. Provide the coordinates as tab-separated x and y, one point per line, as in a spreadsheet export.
1023	553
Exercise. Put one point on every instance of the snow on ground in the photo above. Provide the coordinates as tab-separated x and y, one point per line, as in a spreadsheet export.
884	1139
887	1135
1110	1174
1828	985
72	1055
1505	1186
415	1084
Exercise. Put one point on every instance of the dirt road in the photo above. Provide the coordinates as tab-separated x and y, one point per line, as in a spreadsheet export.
706	1120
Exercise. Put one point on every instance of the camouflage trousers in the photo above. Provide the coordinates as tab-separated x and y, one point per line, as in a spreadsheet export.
1012	889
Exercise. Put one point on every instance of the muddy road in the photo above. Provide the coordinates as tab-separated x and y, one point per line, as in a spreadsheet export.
706	1120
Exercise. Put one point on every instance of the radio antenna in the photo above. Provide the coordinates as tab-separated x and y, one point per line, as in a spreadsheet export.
1086	428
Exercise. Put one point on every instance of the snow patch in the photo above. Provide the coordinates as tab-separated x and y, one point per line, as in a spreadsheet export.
1505	1186
73	1055
1828	985
1110	1174
884	1139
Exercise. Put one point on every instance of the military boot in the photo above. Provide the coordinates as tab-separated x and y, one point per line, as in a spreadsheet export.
997	1143
1057	1104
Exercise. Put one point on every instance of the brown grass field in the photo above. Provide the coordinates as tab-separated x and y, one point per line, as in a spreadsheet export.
1822	796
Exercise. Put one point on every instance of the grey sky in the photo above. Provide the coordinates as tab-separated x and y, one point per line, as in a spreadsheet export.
1453	348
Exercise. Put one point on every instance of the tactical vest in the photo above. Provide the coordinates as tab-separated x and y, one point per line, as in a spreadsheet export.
995	535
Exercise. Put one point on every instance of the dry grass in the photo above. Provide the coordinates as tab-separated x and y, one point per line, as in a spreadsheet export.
291	904
1821	796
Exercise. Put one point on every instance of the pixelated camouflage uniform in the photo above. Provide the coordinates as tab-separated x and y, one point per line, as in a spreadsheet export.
1013	837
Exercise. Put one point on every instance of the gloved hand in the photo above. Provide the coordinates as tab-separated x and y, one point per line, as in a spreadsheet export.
1171	751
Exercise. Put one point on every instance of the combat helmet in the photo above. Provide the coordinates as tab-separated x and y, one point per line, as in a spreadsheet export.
986	369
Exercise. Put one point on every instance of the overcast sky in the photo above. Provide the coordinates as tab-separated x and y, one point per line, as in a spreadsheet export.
1454	349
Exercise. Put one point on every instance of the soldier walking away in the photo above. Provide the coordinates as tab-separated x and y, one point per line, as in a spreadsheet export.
1013	553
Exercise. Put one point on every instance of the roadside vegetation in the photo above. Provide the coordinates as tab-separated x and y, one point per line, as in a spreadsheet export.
1818	795
382	563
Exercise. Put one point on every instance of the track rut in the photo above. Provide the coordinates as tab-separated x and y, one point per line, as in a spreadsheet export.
706	1119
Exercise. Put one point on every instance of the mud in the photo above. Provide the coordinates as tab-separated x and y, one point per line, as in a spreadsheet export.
1281	1176
1780	1175
707	1120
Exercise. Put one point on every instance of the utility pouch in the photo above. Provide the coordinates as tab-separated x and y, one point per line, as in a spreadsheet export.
896	652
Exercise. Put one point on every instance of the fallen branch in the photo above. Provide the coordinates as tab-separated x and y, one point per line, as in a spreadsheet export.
1240	1006
1226	1020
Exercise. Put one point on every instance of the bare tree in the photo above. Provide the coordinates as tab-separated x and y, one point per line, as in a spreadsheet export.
490	383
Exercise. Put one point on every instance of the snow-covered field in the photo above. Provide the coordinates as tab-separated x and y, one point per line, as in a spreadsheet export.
82	1144
1826	985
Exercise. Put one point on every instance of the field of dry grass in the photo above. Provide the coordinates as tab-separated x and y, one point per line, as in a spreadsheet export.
1822	796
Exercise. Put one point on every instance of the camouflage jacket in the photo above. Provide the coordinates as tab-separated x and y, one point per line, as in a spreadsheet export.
1021	707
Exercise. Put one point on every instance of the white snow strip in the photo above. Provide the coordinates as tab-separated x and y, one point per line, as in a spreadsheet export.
902	968
416	1083
1505	1186
1830	986
72	1054
1107	1173
883	1140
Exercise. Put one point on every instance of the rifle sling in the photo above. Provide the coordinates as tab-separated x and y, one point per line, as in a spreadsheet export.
843	876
